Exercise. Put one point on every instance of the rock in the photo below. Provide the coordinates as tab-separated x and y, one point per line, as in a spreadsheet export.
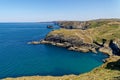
106	50
67	44
44	42
49	26
74	24
85	50
112	58
60	44
79	49
102	35
114	47
34	42
93	50
71	48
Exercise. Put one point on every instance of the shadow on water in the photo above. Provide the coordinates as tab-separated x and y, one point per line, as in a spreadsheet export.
115	48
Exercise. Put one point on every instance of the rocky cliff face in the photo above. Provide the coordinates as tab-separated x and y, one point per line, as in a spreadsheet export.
87	24
74	25
102	35
77	40
81	40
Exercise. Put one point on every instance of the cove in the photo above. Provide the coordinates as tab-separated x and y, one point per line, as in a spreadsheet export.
17	58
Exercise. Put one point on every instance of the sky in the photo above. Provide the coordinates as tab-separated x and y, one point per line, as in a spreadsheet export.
55	10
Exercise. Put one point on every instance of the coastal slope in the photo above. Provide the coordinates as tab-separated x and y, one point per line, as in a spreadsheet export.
101	35
95	35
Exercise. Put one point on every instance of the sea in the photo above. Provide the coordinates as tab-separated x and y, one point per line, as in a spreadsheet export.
17	58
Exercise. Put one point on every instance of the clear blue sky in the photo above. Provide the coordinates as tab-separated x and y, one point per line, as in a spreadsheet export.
51	10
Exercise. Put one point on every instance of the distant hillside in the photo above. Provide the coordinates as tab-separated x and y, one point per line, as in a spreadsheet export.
88	24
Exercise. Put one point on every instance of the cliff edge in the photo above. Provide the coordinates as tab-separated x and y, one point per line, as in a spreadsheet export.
101	36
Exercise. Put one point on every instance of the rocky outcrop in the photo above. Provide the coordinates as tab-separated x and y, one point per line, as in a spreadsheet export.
106	50
85	36
77	41
114	47
82	40
87	24
74	24
50	27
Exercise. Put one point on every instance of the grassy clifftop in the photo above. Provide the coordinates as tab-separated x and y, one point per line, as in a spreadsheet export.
73	33
108	32
97	29
88	24
101	35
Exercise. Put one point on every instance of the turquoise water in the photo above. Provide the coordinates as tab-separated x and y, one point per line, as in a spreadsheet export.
17	58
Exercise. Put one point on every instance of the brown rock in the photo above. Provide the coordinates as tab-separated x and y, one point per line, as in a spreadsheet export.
106	50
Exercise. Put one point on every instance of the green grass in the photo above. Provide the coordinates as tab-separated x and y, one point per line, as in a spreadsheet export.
108	32
74	33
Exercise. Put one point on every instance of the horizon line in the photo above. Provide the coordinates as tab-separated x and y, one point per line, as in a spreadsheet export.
57	20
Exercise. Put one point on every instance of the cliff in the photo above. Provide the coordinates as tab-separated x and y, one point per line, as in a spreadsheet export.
87	24
102	35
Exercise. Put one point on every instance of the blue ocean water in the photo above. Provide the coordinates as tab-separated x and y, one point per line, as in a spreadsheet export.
17	58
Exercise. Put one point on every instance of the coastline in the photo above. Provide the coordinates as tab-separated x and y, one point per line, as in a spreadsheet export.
105	71
102	38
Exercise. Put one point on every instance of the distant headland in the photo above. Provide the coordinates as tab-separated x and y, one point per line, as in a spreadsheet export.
95	35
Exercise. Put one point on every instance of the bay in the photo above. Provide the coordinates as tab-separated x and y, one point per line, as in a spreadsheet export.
17	58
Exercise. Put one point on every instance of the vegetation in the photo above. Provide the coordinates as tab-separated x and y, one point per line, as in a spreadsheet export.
74	33
99	31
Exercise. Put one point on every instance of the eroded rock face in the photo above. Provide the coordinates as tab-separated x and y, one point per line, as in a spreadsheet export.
78	40
114	45
74	24
85	36
105	50
77	44
87	24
